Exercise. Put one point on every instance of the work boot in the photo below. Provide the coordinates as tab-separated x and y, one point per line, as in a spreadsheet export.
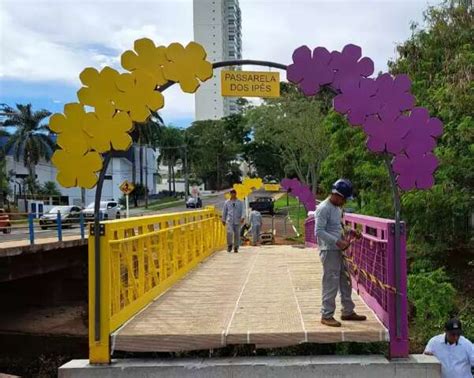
236	250
229	248
331	322
354	317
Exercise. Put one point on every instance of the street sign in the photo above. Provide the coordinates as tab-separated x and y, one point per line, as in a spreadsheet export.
250	83
126	187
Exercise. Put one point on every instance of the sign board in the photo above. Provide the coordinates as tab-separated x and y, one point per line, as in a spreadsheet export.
126	187
250	83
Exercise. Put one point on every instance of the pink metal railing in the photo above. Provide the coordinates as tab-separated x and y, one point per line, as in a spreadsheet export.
371	262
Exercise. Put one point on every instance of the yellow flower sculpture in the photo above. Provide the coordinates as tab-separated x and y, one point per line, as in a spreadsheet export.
187	65
107	128
69	127
77	169
100	87
147	58
248	186
138	95
119	100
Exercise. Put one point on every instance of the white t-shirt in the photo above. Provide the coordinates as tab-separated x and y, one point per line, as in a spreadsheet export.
456	360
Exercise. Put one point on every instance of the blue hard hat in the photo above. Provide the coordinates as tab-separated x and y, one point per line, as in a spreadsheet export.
343	187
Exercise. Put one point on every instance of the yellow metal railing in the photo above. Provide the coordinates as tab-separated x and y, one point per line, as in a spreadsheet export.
140	258
272	187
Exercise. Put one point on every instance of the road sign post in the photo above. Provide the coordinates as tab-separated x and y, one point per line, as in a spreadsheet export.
126	204
126	187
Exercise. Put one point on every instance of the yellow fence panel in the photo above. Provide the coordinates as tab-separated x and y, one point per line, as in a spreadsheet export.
140	259
272	187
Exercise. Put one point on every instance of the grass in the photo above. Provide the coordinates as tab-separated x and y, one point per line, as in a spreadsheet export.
295	209
162	203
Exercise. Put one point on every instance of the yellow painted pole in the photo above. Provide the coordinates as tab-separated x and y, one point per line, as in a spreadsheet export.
99	351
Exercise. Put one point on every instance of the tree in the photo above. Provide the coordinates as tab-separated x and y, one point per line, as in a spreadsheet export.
171	145
30	141
214	147
145	134
50	188
440	63
293	125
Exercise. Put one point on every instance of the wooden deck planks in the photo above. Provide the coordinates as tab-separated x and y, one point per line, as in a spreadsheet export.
269	296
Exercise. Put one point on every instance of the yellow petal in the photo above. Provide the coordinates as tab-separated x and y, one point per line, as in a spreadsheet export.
86	179
129	60
56	122
174	51
195	51
155	101
89	76
203	70
66	179
144	46
121	141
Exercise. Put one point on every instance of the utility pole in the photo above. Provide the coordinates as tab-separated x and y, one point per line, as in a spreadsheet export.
146	178
186	177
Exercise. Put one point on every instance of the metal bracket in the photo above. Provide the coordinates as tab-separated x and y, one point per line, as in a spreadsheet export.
402	228
101	229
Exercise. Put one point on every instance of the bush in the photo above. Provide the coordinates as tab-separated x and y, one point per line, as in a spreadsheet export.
431	311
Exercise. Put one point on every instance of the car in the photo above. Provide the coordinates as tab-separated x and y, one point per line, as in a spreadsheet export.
108	209
5	224
263	205
194	203
69	216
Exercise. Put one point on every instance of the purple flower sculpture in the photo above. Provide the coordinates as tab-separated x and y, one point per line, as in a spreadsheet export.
377	105
415	171
385	134
349	66
357	100
422	132
394	92
310	72
300	191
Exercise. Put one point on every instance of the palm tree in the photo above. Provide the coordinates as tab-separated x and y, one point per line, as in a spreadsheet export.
30	141
171	150
146	134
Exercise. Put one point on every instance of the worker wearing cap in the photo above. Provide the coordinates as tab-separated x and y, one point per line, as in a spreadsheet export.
454	351
232	218
328	229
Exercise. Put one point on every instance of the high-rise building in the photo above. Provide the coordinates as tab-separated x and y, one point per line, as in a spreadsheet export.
217	27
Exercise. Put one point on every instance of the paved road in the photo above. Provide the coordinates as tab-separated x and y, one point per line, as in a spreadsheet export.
23	233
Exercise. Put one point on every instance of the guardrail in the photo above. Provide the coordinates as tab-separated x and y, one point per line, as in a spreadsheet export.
371	262
31	226
140	258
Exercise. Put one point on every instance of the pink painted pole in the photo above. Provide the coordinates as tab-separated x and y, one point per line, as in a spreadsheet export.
399	345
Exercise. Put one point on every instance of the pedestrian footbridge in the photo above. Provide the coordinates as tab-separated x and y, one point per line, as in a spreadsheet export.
165	283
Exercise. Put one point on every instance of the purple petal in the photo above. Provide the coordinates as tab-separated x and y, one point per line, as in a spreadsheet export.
352	51
366	67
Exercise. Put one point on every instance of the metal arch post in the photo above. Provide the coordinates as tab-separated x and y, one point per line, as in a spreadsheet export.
98	195
397	208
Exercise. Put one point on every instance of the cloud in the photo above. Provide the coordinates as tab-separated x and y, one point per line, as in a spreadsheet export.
52	41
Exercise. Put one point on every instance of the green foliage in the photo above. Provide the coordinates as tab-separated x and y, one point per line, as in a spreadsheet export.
50	188
440	62
289	129
30	140
215	146
433	298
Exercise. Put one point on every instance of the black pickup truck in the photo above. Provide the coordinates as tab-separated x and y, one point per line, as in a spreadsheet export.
262	204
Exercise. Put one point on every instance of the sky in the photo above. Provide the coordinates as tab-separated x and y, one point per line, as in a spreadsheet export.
45	44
